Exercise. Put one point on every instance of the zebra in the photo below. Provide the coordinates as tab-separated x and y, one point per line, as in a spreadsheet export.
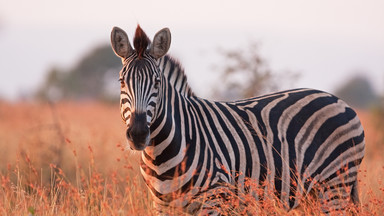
295	140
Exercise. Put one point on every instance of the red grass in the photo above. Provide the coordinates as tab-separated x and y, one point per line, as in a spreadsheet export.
70	160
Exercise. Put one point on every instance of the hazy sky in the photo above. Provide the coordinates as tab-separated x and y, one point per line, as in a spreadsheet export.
326	41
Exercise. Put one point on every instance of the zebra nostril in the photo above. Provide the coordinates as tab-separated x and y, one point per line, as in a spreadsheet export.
129	133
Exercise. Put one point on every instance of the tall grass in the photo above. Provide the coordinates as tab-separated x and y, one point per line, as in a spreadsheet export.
70	159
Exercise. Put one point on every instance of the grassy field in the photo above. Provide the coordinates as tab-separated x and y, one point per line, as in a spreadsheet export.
69	159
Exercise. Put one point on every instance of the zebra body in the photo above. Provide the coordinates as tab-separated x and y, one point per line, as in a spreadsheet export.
287	142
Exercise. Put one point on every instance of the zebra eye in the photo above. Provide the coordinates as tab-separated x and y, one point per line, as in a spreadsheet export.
121	80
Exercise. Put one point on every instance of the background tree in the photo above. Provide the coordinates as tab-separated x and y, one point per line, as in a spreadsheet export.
244	73
91	78
358	92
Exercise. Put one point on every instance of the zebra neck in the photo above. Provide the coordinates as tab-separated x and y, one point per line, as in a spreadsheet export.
174	151
169	134
166	130
172	161
175	76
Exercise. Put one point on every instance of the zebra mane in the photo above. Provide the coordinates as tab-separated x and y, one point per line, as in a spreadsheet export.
140	41
174	73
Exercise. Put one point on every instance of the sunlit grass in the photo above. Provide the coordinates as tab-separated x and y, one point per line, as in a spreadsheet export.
69	159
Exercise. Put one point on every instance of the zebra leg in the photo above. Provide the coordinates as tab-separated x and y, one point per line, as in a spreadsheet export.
332	200
338	198
355	194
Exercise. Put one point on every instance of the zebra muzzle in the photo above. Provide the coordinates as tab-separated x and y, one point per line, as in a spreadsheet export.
138	132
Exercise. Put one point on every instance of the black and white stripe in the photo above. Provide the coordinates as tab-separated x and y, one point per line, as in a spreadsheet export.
289	142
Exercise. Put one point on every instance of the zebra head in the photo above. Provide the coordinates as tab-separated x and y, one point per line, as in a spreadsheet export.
141	81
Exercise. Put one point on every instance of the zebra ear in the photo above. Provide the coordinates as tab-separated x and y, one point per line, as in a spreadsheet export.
120	43
161	43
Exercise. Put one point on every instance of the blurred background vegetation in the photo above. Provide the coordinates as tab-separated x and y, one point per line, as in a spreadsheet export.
243	73
92	78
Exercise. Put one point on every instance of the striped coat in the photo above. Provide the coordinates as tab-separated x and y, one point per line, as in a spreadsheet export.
288	143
